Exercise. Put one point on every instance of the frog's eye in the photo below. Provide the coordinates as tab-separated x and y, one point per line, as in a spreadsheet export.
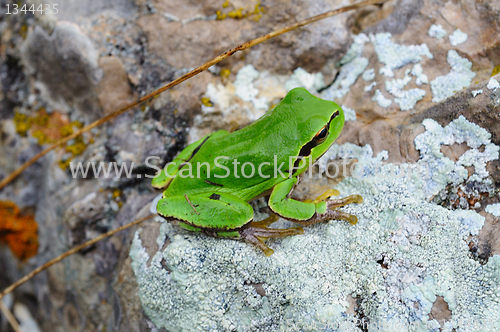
321	135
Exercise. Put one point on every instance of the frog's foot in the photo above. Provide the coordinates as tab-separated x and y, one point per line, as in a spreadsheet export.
329	215
332	214
257	232
335	203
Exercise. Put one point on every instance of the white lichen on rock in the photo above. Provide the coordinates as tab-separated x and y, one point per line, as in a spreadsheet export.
493	209
348	74
417	71
369	87
301	78
458	78
476	92
398	83
241	102
406	99
436	31
368	74
493	84
442	170
403	252
356	49
245	88
395	56
458	37
349	113
353	64
381	100
222	96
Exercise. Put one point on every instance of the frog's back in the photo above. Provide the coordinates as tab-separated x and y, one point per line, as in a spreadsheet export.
264	145
213	169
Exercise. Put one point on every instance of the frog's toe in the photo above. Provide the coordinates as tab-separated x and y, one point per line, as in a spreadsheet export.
353	220
335	203
327	194
259	244
257	233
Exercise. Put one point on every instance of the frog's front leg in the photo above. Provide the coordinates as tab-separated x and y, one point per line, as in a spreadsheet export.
308	213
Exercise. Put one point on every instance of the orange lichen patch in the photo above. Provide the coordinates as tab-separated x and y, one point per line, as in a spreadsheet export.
49	128
239	13
17	231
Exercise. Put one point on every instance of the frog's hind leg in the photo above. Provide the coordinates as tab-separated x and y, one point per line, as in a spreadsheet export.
328	215
221	215
214	212
257	232
307	213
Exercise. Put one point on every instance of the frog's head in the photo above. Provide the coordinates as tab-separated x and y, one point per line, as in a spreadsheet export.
320	122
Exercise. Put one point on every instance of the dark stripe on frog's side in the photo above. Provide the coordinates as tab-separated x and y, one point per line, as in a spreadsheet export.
215	232
195	151
213	183
306	148
229	234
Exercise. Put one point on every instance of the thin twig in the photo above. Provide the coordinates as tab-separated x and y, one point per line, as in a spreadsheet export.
67	253
187	199
10	317
184	77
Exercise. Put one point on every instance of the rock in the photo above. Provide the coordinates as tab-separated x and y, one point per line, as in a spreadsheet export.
114	91
64	64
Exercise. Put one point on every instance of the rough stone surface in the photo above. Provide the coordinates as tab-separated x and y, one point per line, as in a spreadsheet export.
94	57
114	91
63	64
